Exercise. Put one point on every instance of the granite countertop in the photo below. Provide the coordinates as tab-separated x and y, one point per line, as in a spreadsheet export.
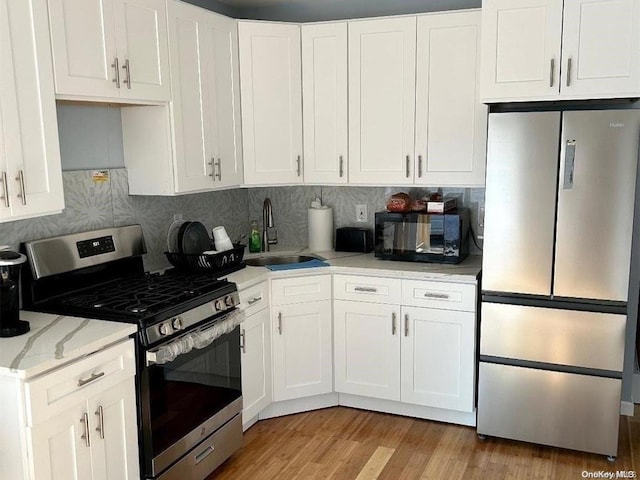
362	264
55	340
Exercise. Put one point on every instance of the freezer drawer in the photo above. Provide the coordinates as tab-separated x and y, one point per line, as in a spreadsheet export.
564	410
549	335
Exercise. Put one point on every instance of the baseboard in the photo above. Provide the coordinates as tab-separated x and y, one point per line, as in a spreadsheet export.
626	408
635	395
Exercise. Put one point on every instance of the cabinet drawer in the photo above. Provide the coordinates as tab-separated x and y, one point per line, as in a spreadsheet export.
55	392
255	298
442	295
367	289
301	289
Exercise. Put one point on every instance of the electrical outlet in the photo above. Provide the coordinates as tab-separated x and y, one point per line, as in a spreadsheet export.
361	213
177	216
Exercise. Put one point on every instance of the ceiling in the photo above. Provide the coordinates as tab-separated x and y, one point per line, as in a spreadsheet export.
318	10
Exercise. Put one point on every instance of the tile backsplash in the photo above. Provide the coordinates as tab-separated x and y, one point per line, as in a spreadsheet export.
93	204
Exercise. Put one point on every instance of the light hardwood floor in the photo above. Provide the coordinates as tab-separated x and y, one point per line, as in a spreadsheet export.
348	444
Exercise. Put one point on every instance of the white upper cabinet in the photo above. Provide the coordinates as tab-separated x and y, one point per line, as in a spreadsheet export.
324	92
30	171
451	121
271	90
382	66
550	49
110	49
206	101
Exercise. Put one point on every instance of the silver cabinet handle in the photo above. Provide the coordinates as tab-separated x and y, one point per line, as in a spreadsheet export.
441	296
419	165
85	436
299	165
552	74
568	71
408	171
569	164
23	194
92	378
393	323
341	166
213	169
116	67
100	427
406	325
5	189
254	300
127	69
280	323
243	341
366	289
219	165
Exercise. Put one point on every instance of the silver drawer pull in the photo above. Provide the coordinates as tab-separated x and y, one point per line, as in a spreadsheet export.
280	323
254	300
85	436
442	296
243	341
393	323
100	427
406	325
92	378
204	454
366	289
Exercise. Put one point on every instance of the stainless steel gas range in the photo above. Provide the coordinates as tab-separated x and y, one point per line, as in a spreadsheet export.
188	342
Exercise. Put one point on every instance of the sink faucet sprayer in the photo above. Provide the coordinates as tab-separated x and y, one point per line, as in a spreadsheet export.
267	223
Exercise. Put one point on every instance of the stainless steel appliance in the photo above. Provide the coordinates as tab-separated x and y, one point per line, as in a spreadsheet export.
557	247
422	237
188	342
10	323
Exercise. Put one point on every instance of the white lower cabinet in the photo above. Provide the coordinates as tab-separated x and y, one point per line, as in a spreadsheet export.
438	358
365	333
256	365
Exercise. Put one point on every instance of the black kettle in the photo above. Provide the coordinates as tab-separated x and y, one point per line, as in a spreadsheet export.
10	323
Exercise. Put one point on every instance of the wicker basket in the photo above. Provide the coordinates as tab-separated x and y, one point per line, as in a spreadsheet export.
207	263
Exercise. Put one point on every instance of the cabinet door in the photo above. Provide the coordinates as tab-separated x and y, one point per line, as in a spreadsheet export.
84	47
324	90
143	50
256	365
438	358
271	90
367	349
601	40
382	69
31	175
114	442
451	122
521	49
58	451
302	364
205	108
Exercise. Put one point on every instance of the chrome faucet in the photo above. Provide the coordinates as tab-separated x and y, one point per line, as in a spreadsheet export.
267	223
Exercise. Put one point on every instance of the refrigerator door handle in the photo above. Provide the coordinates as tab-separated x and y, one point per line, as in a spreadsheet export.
569	164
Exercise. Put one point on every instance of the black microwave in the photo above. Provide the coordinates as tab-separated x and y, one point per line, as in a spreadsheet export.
422	237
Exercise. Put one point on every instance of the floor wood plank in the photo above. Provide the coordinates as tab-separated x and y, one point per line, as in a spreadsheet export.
347	444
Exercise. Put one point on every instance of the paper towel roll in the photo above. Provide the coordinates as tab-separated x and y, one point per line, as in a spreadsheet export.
321	229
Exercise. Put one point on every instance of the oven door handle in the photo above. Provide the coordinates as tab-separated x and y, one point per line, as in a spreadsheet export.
199	338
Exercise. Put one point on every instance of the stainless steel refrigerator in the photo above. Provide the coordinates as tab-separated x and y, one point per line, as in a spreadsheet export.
559	202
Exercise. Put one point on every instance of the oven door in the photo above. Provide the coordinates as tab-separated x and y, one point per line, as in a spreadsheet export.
189	387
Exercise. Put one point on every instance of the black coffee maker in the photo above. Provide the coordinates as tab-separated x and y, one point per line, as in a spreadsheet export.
10	323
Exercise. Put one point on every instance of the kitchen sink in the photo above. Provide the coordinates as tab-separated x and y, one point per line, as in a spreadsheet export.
279	260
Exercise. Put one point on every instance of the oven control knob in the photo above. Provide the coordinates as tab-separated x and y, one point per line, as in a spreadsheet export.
177	323
219	305
163	329
229	301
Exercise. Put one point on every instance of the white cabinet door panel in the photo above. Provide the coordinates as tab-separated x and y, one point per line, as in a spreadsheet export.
367	349
324	90
256	365
382	64
451	121
438	358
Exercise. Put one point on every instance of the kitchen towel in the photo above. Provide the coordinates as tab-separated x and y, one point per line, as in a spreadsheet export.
293	266
321	229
